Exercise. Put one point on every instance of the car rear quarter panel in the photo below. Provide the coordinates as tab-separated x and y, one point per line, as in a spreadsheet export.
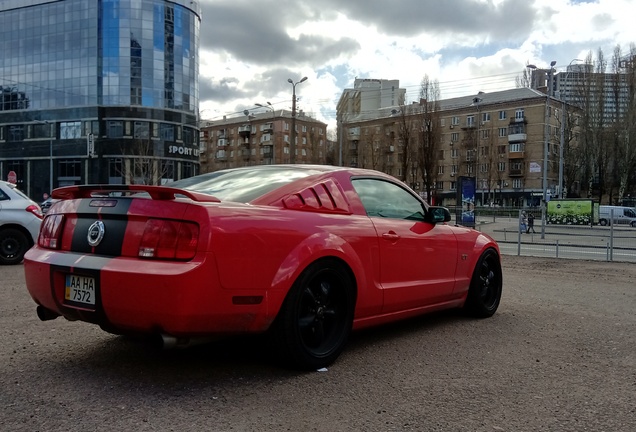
266	248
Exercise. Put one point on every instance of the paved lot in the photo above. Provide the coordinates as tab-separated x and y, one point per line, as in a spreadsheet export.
558	356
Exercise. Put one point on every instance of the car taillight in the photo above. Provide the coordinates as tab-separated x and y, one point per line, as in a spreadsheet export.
37	211
167	239
51	232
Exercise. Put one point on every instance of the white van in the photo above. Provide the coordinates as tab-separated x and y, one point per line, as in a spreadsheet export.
622	215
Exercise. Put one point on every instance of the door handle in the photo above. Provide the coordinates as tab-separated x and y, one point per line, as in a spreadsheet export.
391	236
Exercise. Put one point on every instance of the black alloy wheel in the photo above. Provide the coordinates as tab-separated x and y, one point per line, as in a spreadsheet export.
316	318
484	294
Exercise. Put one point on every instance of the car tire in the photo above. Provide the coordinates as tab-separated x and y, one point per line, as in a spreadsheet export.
13	246
602	222
316	317
484	293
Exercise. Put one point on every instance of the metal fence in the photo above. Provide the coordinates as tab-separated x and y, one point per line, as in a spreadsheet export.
605	243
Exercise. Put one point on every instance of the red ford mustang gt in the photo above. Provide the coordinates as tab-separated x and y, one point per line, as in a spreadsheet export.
305	253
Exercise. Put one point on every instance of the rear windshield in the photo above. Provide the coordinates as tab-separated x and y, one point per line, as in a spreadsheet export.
243	184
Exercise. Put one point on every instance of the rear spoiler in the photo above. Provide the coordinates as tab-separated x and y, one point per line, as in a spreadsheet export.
155	192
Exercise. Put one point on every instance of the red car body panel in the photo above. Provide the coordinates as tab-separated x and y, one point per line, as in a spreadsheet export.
247	257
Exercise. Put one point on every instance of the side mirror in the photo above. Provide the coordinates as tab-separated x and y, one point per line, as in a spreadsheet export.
437	215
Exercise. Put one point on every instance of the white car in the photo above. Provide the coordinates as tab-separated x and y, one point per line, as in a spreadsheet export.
20	220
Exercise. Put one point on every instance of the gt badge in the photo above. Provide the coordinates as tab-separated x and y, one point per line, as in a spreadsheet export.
95	233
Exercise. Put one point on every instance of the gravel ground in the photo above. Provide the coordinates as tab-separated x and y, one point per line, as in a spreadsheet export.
559	355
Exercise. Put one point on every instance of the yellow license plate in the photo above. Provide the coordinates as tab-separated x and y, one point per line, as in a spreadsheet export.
80	289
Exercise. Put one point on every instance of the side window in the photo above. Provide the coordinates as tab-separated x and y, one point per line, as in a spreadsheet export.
382	198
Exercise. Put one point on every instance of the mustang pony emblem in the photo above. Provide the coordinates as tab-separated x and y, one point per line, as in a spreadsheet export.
95	233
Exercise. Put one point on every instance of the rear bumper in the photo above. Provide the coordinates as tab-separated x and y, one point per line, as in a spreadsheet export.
146	297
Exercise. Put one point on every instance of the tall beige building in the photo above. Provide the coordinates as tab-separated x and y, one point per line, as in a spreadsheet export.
498	138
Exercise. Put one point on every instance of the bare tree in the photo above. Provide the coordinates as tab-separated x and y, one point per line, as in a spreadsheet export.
429	136
144	167
525	79
406	140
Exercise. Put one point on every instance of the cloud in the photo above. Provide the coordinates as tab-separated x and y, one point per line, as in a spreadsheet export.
250	48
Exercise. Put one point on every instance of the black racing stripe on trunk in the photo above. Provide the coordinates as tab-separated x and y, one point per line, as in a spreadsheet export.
115	221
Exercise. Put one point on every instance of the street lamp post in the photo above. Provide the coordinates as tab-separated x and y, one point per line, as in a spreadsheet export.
546	136
292	146
563	119
477	102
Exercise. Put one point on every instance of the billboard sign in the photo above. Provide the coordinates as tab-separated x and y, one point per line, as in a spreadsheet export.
466	201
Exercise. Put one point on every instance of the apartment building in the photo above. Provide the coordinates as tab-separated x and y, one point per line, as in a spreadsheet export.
368	95
498	138
262	139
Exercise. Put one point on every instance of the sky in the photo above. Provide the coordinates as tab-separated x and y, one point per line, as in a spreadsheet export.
250	48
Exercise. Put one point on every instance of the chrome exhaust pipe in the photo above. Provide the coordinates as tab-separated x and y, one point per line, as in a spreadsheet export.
168	342
46	314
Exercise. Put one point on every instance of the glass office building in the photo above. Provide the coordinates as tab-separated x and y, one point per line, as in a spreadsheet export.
98	91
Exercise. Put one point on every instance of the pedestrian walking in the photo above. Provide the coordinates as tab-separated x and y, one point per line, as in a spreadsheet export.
523	222
530	224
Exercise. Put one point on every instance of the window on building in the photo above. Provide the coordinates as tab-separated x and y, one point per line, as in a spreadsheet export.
485	117
440	169
517	183
470	155
454	153
440	156
502	149
519	114
141	130
502	115
69	170
188	136
470	120
453	185
485	133
41	130
515	147
503	132
115	129
166	132
453	169
501	166
304	128
455	120
484	168
439	185
442	122
454	136
16	133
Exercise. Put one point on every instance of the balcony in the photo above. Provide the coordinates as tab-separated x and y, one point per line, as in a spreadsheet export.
354	134
221	142
516	155
268	150
265	139
521	119
244	130
517	137
221	156
516	172
220	133
267	127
